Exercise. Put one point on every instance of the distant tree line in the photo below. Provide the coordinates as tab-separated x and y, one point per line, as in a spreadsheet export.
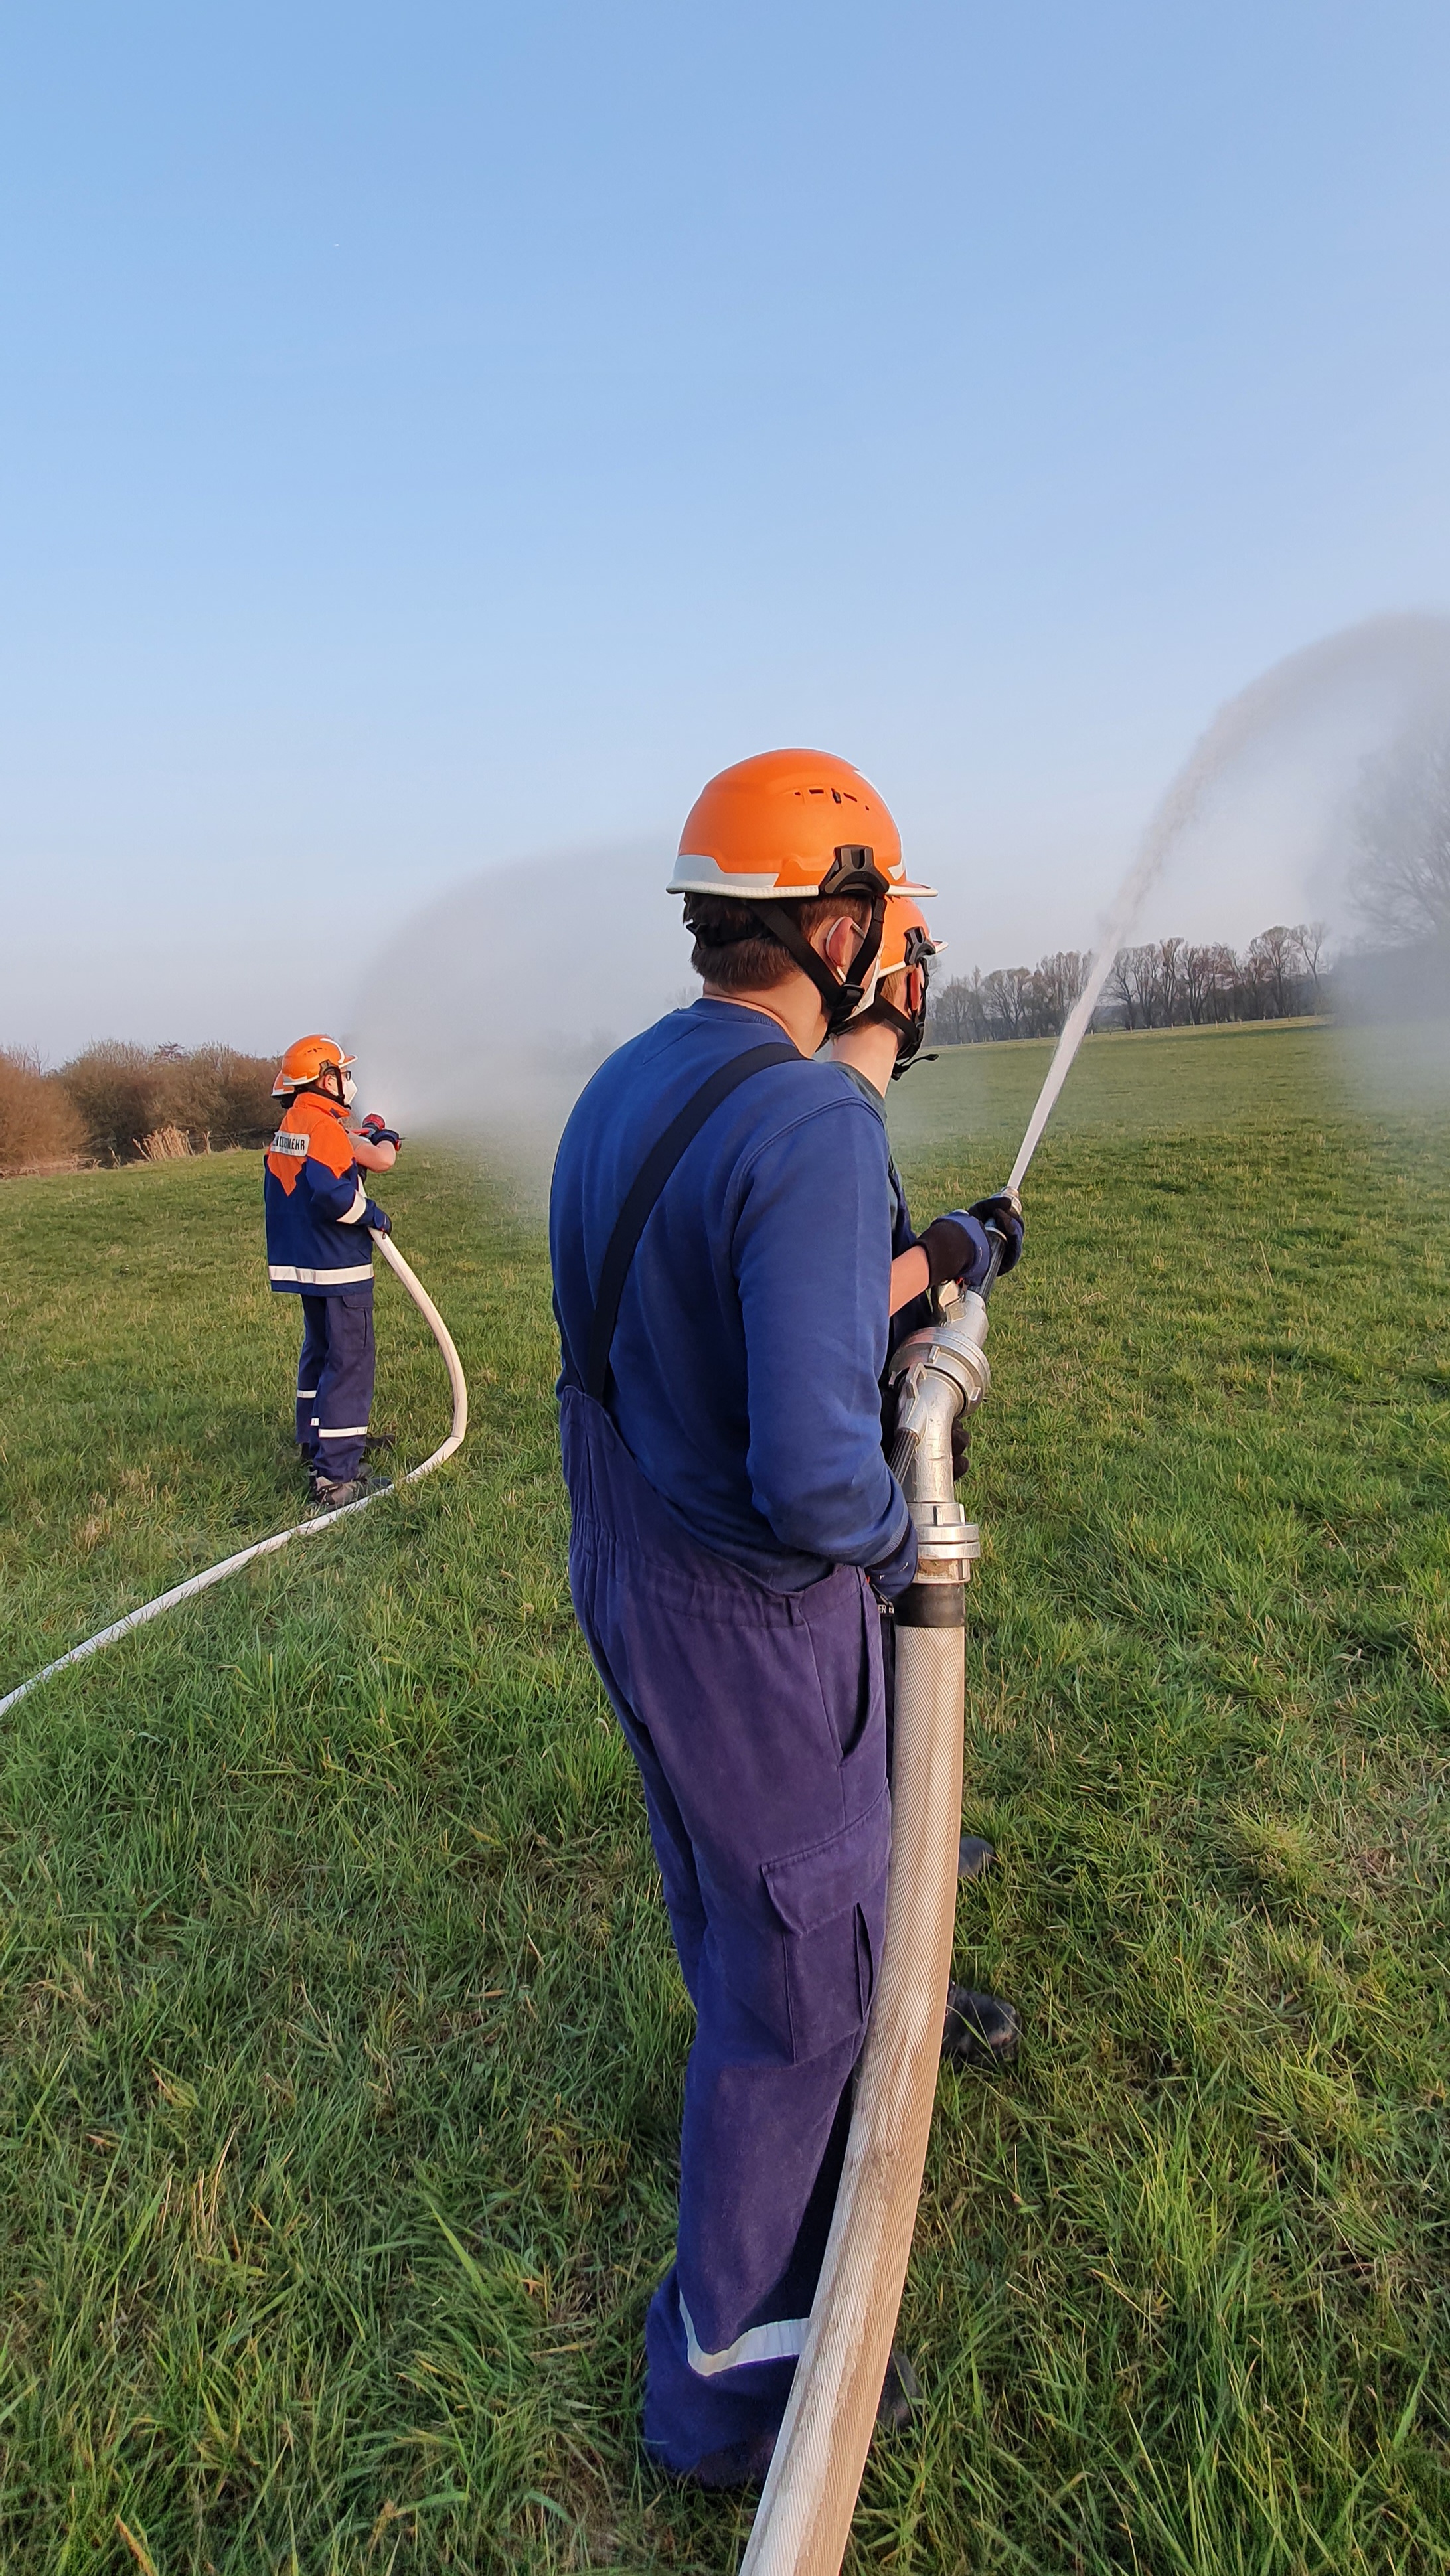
119	1103
1165	984
1396	856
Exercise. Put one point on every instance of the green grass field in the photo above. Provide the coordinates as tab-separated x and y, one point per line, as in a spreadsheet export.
342	2041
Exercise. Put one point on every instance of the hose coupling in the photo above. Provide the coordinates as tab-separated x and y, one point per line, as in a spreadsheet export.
940	1373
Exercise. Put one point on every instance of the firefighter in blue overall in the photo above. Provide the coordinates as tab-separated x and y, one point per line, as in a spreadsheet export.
720	1234
319	1249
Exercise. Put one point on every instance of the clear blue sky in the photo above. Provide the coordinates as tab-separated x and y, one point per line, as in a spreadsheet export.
440	434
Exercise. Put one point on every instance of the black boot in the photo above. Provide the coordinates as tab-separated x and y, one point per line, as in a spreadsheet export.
981	2030
740	2464
330	1493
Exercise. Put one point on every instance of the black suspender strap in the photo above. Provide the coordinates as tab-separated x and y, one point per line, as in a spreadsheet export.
645	1189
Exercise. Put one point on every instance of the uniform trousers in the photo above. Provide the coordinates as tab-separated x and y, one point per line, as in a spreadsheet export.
758	1722
335	1380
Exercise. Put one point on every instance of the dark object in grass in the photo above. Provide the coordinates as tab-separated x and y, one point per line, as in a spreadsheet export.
981	2030
377	1441
974	1856
745	2464
900	2396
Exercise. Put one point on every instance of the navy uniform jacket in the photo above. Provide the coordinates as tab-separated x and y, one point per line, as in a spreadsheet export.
317	1242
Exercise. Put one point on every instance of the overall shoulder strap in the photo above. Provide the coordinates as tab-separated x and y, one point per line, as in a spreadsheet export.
645	1189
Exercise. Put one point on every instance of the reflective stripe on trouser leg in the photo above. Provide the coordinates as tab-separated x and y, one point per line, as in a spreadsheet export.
345	1384
311	1360
758	1725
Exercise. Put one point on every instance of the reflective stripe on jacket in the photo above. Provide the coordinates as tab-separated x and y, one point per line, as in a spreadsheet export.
315	1202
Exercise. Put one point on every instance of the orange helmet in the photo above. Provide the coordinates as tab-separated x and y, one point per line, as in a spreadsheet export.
906	945
781	824
305	1059
782	827
906	941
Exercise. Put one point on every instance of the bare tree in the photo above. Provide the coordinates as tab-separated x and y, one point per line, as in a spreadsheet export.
957	1016
1222	971
1197	980
1311	937
1060	979
1006	1001
1274	966
1402	836
1136	985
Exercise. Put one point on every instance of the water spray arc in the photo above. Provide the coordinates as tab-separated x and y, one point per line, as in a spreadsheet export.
304	1529
1405	654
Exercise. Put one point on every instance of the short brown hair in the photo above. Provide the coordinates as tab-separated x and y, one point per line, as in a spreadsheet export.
736	951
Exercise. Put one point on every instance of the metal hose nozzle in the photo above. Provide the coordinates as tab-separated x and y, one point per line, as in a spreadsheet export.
940	1373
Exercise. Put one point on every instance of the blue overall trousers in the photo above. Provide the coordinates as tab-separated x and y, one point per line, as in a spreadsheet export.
758	1722
335	1380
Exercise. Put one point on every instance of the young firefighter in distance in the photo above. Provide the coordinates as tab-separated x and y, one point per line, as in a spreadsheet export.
720	1236
319	1249
877	1045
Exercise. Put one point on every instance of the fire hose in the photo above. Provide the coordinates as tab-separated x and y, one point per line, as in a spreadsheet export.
804	2516
303	1529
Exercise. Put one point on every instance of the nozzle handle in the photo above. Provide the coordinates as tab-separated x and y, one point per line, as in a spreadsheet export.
998	1242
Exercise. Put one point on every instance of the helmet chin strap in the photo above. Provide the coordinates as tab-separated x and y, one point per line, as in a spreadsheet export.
840	994
853	870
910	1030
910	1026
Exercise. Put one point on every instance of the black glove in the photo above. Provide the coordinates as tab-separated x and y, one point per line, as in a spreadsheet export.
956	1246
378	1218
1004	1211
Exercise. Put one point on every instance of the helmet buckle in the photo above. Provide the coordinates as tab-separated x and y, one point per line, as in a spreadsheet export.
853	869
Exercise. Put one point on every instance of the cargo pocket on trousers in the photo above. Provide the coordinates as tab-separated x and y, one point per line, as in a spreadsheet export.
830	1900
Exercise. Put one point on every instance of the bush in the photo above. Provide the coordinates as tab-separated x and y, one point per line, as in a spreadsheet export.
126	1094
219	1094
116	1088
38	1124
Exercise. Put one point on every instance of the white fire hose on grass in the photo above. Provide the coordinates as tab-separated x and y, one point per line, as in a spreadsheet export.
304	1529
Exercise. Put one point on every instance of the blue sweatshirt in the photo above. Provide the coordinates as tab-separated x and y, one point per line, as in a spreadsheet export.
911	1317
752	1330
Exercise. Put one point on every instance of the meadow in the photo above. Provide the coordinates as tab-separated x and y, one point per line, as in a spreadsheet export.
340	2037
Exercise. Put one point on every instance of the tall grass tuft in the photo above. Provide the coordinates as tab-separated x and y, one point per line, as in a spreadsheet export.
165	1145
